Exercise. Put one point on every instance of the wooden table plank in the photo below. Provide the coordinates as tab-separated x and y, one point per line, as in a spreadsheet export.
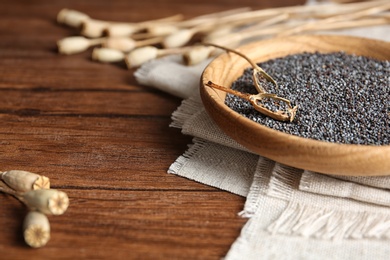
105	140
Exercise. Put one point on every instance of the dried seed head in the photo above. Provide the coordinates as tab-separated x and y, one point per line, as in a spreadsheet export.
141	55
178	39
218	33
51	201
161	29
93	28
107	55
36	229
42	182
22	181
72	45
197	54
121	29
71	18
124	44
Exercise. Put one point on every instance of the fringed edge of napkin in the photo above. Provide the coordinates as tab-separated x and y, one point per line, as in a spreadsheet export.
330	219
187	108
229	178
331	224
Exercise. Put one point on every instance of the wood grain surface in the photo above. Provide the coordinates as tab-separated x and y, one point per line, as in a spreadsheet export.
105	141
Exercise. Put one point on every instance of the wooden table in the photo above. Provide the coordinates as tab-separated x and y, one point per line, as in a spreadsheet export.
104	140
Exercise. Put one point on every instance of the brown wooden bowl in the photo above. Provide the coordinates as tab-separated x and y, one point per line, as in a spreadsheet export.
304	153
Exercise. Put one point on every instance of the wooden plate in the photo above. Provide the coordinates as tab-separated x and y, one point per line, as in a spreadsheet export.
304	153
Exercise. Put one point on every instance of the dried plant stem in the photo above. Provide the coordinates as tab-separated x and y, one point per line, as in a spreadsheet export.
353	24
126	44
301	26
4	188
303	11
268	22
256	69
235	39
183	36
338	19
115	29
254	100
199	20
229	90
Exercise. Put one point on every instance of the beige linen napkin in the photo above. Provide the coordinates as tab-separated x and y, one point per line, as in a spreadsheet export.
294	214
315	226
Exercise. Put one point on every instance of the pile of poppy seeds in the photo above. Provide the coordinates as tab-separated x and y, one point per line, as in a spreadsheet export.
341	98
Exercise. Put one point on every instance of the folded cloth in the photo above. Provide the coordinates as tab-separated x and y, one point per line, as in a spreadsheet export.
158	74
293	214
326	185
287	223
283	202
217	165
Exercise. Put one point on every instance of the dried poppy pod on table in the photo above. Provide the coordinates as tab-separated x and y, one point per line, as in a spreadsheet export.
107	55
71	17
116	29
95	28
22	181
192	55
144	54
126	44
52	202
76	44
34	191
36	229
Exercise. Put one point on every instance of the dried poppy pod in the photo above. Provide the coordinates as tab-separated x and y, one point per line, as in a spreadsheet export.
76	44
197	54
161	29
141	55
127	44
36	229
71	17
121	29
22	181
257	71
52	202
178	38
107	55
93	28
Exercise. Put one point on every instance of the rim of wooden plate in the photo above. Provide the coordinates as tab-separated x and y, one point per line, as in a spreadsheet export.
299	152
